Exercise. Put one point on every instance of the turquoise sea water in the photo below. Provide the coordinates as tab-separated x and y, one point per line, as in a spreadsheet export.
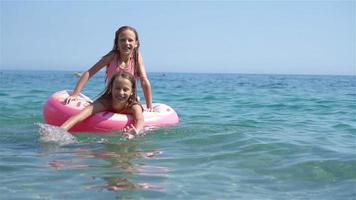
240	137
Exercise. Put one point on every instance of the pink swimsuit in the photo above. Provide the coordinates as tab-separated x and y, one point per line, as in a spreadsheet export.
114	67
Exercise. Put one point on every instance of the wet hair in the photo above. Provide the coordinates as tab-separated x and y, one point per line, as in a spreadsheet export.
120	30
115	48
107	94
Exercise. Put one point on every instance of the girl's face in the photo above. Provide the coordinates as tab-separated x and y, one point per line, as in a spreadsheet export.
127	42
121	90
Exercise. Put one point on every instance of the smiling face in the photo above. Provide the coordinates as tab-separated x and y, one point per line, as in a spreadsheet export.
127	42
121	90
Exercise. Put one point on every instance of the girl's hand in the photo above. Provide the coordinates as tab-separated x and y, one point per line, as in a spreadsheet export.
148	109
70	98
131	132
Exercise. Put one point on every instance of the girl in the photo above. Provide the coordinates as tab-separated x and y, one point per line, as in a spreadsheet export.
119	97
124	56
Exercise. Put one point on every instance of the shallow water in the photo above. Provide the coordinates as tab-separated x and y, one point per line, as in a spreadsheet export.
240	137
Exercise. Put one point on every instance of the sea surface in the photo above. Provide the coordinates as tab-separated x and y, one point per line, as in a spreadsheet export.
239	137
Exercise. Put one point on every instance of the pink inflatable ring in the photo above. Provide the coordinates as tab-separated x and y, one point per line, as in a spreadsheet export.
55	112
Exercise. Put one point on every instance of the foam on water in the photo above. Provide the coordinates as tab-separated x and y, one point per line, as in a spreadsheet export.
55	134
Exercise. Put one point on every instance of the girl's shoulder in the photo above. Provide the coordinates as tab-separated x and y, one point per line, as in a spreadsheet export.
134	107
109	56
103	102
139	54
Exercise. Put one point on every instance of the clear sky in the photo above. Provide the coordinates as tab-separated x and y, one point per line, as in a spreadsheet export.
273	37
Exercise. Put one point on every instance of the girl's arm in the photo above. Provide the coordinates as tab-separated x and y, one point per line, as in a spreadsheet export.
83	114
145	83
138	117
87	75
135	129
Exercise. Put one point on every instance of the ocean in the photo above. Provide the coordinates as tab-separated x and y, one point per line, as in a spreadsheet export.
240	136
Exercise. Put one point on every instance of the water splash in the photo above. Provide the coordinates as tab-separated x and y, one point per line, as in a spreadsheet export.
55	134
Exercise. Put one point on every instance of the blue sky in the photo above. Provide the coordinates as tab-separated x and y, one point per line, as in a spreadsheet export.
273	37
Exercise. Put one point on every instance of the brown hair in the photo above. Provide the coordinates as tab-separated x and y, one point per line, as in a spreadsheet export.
115	48
107	94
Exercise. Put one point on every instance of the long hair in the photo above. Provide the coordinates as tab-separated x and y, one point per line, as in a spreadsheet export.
107	94
115	48
121	29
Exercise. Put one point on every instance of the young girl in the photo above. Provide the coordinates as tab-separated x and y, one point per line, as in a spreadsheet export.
125	56
119	97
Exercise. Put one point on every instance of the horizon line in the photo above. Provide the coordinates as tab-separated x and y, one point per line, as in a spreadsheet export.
184	72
